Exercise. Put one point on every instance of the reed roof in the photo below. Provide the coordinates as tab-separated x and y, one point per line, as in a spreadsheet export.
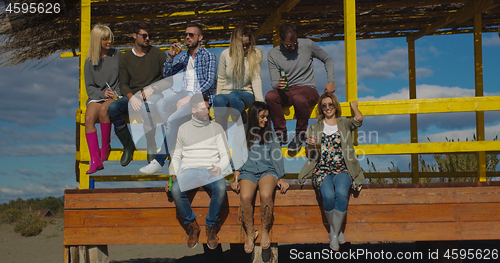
38	36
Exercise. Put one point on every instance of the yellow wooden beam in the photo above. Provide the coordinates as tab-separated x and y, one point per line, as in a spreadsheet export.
396	107
478	79
84	48
463	14
420	148
415	106
273	18
350	51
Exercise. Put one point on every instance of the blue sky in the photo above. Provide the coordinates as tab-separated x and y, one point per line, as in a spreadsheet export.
37	110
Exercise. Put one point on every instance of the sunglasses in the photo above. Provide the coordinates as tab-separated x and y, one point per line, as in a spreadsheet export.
188	34
327	105
292	45
144	36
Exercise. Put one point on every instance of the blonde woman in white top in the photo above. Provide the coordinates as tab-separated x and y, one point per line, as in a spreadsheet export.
239	83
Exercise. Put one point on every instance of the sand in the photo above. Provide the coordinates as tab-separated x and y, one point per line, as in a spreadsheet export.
47	247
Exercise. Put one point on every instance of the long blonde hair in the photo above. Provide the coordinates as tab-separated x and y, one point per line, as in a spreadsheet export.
96	35
254	57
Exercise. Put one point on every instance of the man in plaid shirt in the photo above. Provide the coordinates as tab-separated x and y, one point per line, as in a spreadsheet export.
200	76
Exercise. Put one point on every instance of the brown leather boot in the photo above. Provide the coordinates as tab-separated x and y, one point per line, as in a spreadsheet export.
212	239
247	220
266	213
193	231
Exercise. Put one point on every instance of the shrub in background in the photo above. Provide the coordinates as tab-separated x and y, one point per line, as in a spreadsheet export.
30	224
10	215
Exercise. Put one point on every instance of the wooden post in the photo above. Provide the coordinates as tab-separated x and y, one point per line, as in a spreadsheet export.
98	254
413	117
478	70
66	254
276	36
351	81
84	47
269	255
276	31
350	50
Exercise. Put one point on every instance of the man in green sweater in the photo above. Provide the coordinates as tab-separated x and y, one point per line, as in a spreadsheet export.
139	68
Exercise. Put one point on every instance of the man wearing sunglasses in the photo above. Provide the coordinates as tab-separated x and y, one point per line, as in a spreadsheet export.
295	56
138	68
200	77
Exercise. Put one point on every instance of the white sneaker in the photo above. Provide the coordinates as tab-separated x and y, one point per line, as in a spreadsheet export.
152	168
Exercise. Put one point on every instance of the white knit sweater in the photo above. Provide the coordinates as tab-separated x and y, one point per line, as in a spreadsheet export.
200	144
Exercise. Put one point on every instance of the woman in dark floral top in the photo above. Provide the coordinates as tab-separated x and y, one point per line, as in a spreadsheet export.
336	165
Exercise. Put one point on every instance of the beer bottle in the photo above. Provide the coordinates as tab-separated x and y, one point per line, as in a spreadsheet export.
283	76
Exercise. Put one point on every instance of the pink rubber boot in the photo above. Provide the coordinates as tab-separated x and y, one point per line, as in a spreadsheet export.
95	160
105	140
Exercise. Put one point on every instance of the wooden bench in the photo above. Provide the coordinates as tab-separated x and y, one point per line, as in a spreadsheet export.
394	212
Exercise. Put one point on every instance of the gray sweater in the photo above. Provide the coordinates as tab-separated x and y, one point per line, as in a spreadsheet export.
97	76
298	65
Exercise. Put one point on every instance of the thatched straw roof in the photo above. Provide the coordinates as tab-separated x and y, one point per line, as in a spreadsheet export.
37	36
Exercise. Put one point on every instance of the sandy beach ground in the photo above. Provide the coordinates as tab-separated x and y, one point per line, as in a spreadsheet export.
47	247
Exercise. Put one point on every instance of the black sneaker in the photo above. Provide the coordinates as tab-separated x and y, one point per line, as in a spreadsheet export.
282	138
296	142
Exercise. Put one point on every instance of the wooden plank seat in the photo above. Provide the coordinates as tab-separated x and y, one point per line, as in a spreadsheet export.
389	212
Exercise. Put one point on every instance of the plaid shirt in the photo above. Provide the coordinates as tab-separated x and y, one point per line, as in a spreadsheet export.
205	66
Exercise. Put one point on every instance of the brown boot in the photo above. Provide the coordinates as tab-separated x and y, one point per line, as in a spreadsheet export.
212	239
266	213
247	219
193	231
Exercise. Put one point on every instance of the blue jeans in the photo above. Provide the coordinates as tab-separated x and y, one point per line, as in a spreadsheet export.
172	119
120	107
238	101
218	189
335	192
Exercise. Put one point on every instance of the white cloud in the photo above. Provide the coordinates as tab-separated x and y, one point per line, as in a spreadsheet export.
423	72
434	51
36	96
29	173
11	135
490	133
33	191
383	66
426	91
386	126
37	150
491	40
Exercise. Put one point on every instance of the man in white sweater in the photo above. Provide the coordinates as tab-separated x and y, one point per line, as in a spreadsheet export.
202	148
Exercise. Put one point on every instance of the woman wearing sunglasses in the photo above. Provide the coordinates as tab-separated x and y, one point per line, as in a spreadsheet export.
239	82
101	80
332	163
258	161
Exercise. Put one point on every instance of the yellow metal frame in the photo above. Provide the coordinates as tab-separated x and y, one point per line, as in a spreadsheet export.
411	107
